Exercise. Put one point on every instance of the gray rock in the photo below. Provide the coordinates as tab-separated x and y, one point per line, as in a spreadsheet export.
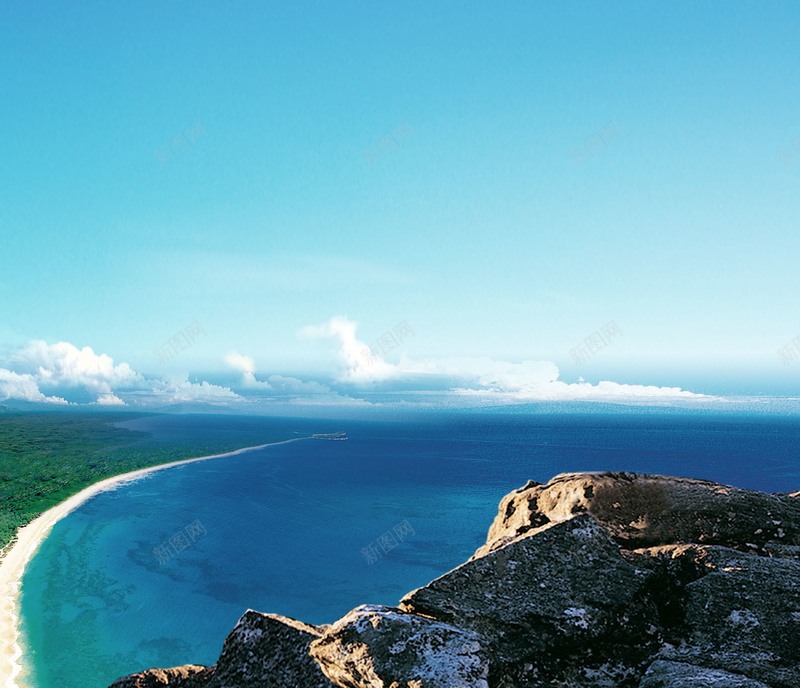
269	650
563	586
743	616
187	676
647	510
263	650
379	647
678	675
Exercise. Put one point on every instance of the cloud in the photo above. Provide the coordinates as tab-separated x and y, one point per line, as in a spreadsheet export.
179	391
244	363
293	385
450	382
532	381
481	378
109	400
277	387
64	365
253	275
355	363
24	387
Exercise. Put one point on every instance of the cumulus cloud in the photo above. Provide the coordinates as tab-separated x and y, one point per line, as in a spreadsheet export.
355	363
281	387
278	384
479	377
533	381
41	371
24	387
109	400
65	365
293	385
178	391
245	364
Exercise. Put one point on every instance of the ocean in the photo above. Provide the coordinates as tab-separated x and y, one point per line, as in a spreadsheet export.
157	572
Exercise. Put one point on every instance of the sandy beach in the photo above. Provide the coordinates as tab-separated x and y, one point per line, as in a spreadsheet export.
12	566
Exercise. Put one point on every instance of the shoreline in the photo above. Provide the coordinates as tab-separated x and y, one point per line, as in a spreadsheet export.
28	539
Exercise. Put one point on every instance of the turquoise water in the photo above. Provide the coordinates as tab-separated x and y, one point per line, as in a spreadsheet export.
283	529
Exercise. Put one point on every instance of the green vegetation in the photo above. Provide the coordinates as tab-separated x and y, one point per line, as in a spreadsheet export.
47	458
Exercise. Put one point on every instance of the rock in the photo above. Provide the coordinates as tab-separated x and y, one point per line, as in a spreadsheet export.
377	647
564	586
269	649
189	676
649	510
743	616
262	650
677	675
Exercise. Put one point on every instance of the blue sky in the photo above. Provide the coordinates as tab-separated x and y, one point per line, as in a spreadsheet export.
483	228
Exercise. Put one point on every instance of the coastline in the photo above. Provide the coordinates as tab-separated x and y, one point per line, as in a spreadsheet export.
28	539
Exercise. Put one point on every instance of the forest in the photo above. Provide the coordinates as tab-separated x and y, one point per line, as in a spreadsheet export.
46	458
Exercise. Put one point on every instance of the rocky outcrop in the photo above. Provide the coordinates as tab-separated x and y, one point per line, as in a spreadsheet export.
381	646
741	613
269	647
593	580
189	676
647	510
263	649
567	587
674	675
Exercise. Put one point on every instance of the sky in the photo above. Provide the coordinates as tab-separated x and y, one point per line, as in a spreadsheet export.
228	203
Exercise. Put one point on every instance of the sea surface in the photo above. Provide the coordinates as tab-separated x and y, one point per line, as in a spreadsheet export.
157	572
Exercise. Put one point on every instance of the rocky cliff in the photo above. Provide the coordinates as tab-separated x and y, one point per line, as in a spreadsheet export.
593	580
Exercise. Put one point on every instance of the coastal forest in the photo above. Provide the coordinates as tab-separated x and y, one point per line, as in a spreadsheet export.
45	458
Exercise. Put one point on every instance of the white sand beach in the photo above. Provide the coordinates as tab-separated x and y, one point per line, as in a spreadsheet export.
12	565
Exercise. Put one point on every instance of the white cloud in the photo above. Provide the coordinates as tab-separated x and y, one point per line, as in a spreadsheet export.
64	365
480	377
247	274
453	381
283	387
183	391
109	400
244	363
293	385
352	353
24	387
533	381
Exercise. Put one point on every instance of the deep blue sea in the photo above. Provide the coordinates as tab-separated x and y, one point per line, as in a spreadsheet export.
156	573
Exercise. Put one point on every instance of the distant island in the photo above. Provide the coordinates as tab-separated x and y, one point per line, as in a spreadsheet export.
330	436
593	580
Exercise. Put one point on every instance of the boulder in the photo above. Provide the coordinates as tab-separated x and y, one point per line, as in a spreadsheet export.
379	647
269	649
663	674
561	587
188	676
743	616
262	650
